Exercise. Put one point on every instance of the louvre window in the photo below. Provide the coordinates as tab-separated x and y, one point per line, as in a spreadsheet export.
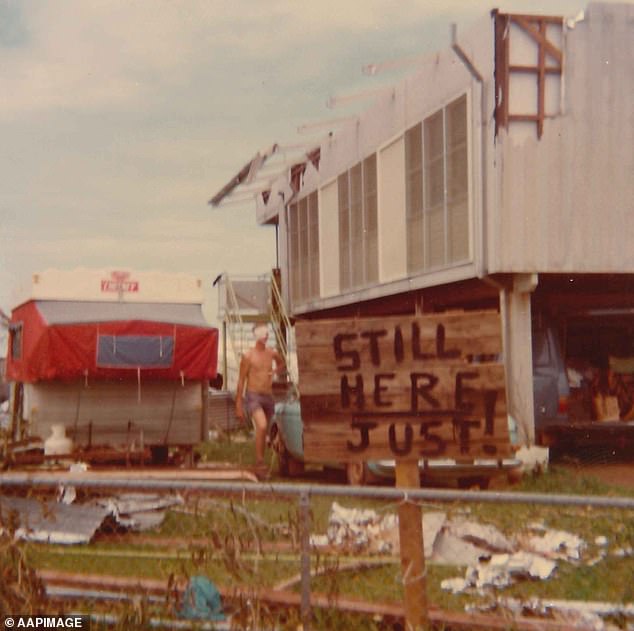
437	186
304	249
358	238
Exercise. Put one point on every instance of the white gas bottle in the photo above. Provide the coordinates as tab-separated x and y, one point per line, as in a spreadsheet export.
58	444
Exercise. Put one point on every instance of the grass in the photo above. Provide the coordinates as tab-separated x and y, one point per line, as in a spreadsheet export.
233	528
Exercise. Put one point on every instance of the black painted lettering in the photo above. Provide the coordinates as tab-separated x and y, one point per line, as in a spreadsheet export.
373	336
441	353
364	428
399	352
463	427
490	399
401	450
461	390
378	389
422	389
440	445
340	353
416	352
356	390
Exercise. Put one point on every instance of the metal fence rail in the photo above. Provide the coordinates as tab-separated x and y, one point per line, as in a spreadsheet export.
303	493
87	480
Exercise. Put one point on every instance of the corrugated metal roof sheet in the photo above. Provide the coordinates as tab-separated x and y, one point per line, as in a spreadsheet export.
74	312
53	522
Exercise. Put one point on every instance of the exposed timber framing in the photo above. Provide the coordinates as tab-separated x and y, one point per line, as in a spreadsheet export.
549	62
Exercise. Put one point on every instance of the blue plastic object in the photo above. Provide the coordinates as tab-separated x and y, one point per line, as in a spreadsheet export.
201	600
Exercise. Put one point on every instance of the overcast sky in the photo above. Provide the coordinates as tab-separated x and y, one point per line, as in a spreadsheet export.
119	119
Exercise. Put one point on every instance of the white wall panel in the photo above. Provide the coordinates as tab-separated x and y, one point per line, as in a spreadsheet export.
329	239
158	413
391	212
565	203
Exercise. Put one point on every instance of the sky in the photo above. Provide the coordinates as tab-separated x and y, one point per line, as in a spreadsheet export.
120	119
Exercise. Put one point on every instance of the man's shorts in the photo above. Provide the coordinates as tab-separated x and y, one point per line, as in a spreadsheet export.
257	400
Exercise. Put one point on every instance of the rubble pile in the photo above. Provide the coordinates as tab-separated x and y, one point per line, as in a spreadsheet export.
493	561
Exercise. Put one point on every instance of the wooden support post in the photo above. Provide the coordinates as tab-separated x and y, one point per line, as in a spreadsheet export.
410	526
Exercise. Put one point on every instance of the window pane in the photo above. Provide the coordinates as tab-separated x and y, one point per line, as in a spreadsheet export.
457	122
414	196
294	252
16	340
458	231
435	238
303	247
344	231
356	225
457	177
434	183
313	249
434	142
134	351
413	148
370	220
415	252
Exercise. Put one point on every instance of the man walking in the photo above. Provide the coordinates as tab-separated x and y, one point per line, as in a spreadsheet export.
256	376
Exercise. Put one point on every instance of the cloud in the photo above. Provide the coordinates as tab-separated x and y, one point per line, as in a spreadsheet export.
120	118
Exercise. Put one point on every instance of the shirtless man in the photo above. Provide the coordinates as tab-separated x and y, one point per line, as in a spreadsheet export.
256	374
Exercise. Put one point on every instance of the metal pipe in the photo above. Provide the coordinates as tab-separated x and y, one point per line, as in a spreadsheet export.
333	490
474	72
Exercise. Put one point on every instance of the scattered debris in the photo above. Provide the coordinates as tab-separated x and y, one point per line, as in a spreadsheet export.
201	600
451	550
493	561
67	522
51	522
500	570
580	614
534	459
557	544
623	552
365	529
484	536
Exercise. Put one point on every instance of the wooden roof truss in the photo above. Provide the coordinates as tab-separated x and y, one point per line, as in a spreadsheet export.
549	61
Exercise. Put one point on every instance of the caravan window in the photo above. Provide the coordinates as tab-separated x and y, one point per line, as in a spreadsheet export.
15	331
135	351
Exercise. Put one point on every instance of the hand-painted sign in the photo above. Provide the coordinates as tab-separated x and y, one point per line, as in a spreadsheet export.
403	387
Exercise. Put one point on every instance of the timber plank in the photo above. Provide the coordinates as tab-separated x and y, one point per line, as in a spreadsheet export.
362	376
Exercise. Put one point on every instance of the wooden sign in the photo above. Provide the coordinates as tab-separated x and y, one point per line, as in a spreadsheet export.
406	388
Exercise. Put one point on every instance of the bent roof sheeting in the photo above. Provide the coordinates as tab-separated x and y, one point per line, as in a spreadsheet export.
75	312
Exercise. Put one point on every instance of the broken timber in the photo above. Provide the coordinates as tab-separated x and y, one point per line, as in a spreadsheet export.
285	599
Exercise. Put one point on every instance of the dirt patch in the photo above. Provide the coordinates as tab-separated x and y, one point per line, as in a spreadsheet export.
613	474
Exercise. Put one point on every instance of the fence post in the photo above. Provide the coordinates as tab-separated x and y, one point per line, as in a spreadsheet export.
305	526
410	531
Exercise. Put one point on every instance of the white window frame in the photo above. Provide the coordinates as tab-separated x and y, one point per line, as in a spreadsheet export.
303	249
365	260
427	265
